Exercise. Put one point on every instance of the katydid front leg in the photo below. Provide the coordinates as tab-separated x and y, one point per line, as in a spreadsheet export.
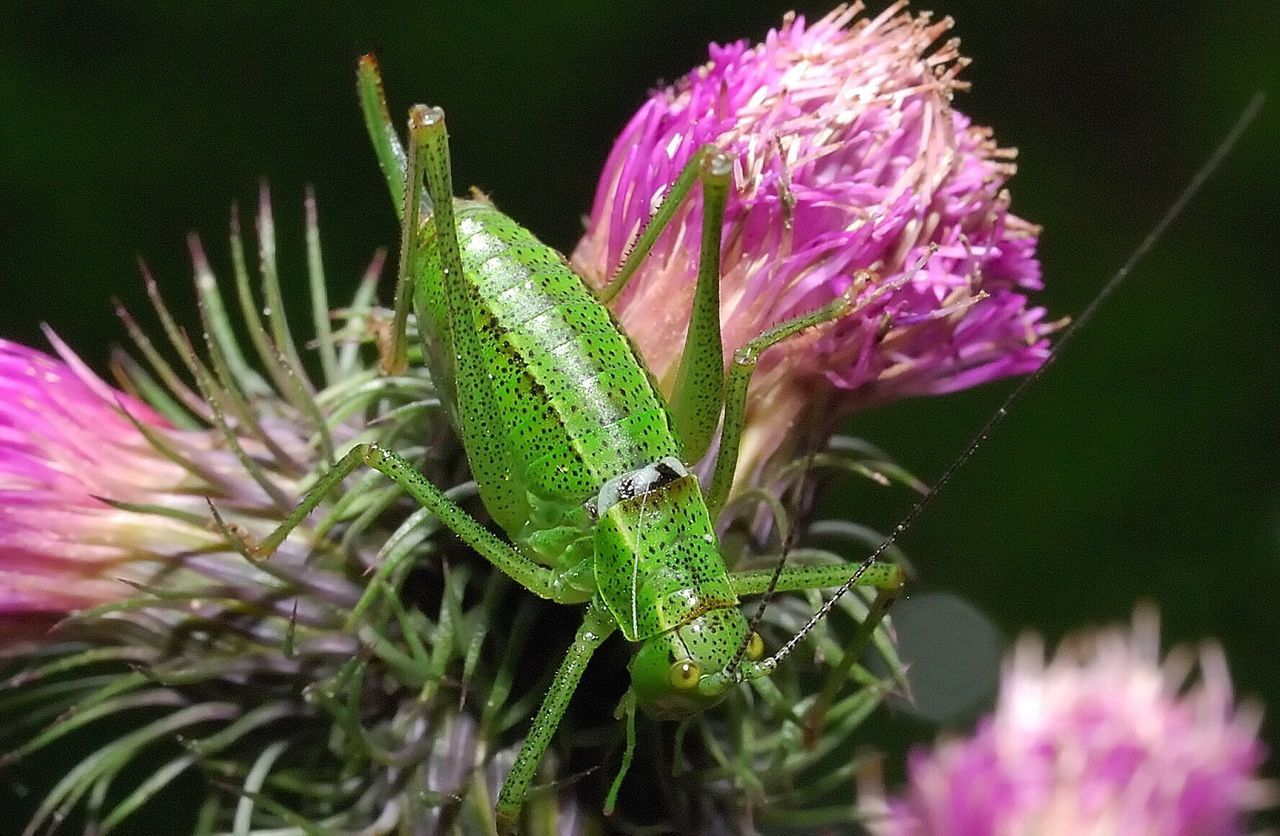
597	625
885	577
745	360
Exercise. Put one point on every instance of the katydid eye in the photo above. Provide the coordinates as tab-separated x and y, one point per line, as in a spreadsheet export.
685	674
755	647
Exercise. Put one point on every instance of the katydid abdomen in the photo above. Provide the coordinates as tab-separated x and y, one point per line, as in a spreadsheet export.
549	397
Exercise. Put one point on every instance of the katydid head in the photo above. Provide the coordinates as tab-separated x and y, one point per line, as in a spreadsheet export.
660	573
685	670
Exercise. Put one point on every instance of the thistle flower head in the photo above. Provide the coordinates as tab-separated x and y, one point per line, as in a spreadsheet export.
848	157
65	442
80	464
101	495
1105	738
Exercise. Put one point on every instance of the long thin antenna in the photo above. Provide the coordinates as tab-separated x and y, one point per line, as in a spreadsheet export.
1188	192
789	532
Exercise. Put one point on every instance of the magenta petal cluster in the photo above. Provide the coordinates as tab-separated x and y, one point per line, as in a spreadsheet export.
65	444
1104	739
849	157
77	471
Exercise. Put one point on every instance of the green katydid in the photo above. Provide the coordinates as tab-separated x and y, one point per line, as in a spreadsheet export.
576	454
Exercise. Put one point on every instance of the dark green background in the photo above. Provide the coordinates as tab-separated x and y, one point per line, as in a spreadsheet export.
1144	467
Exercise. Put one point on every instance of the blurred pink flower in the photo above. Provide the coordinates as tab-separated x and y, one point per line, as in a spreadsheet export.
848	156
65	445
77	477
1104	739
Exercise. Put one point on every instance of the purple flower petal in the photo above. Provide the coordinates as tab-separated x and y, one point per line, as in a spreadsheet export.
1103	739
848	157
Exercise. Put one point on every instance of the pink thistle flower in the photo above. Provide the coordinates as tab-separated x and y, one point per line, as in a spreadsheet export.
67	445
105	497
1103	739
849	157
80	465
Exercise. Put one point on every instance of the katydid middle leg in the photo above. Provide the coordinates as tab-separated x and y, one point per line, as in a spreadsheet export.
428	155
745	360
886	578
